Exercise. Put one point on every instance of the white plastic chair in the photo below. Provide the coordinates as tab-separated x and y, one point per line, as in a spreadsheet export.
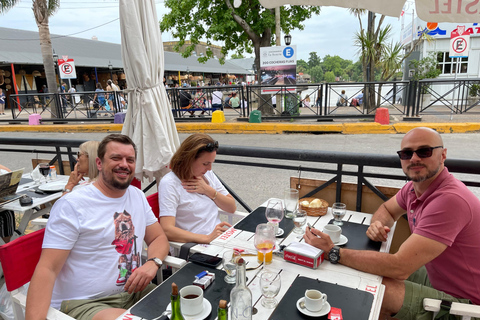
466	311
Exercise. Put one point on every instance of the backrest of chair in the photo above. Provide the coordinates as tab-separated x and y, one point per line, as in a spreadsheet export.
153	202
20	257
136	183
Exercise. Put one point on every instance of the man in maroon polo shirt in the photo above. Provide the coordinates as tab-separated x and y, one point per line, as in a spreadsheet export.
441	258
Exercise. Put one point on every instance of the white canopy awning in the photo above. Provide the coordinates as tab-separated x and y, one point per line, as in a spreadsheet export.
427	10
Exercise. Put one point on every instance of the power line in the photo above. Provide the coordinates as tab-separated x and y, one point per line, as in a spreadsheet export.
63	36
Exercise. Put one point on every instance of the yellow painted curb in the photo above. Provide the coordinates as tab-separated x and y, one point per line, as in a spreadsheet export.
115	127
265	127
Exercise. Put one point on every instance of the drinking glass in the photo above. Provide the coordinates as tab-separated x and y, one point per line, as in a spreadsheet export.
270	285
274	213
230	265
291	202
338	210
264	239
44	169
299	221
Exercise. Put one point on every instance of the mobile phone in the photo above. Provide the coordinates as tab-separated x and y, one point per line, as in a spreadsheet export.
205	259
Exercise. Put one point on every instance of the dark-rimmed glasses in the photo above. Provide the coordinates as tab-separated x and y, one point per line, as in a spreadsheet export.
421	153
211	146
80	153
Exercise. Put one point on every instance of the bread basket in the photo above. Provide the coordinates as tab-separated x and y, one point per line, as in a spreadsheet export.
314	212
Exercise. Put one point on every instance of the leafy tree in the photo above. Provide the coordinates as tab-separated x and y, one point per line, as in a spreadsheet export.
425	68
329	76
42	10
237	56
302	66
316	73
335	64
314	60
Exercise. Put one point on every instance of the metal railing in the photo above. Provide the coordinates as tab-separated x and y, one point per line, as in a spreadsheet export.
338	164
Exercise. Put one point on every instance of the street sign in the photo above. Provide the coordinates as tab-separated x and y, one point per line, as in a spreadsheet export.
278	66
459	42
67	68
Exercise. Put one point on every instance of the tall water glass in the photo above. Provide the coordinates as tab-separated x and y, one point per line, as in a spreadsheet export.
338	210
230	265
291	202
299	220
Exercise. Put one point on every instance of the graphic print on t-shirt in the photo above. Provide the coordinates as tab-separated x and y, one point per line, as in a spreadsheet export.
125	240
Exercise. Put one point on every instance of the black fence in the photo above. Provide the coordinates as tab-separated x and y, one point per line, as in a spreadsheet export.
363	167
329	100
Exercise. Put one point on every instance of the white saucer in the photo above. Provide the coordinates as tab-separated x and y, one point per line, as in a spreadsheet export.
207	308
325	310
280	232
343	240
54	186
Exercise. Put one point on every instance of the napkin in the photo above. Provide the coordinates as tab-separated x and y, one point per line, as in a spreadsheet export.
36	175
304	249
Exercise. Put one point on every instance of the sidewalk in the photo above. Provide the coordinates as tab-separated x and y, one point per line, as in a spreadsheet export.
460	123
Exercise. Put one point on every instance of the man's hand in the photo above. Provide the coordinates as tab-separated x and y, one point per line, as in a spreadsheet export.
318	239
219	229
378	232
141	277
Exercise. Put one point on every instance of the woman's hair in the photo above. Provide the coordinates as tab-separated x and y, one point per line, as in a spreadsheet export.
99	85
90	148
343	91
190	149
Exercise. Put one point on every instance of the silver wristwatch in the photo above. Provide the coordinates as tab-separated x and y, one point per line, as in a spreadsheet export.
157	261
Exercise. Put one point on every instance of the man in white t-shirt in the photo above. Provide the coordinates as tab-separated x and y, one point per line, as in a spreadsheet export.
217	97
90	265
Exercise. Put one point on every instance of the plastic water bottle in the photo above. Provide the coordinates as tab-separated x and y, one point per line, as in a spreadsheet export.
241	296
53	173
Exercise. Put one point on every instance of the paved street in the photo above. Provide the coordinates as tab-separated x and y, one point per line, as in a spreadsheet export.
254	185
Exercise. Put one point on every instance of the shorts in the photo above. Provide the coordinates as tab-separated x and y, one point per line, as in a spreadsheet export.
7	223
85	309
418	287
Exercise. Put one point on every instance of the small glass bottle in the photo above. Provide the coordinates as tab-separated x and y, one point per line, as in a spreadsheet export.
53	173
241	296
175	299
222	310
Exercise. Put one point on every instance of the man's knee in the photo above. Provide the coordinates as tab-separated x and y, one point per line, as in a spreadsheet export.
394	295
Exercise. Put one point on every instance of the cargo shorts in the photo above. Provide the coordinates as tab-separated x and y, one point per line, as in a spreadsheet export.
85	309
418	287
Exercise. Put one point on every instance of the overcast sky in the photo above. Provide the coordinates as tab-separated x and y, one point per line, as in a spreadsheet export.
331	32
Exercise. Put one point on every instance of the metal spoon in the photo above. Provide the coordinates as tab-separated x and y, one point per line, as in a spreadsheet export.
167	313
302	304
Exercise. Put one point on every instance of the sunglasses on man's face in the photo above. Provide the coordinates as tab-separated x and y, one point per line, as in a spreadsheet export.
210	147
421	153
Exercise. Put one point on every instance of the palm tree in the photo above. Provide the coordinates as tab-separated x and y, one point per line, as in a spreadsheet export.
43	10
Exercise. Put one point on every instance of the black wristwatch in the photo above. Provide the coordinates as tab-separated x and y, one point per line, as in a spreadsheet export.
334	255
157	261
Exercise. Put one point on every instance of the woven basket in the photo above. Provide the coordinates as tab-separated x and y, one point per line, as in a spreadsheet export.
314	212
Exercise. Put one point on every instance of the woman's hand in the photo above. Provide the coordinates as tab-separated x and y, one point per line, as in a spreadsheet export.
74	179
219	229
197	185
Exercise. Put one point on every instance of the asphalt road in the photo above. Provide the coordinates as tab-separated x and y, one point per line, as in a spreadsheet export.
255	185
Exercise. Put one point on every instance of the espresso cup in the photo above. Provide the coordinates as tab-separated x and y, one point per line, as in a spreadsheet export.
191	300
314	300
333	231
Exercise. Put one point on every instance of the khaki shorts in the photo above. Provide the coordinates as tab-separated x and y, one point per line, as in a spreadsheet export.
418	287
85	309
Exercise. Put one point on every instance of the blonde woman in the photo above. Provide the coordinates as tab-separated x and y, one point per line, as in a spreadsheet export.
86	165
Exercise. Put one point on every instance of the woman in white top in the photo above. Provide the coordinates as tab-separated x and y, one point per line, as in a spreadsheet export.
86	165
191	194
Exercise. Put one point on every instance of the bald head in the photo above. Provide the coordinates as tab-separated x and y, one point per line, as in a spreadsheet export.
423	136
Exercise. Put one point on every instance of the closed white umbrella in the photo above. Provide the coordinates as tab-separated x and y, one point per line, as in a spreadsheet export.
149	120
427	10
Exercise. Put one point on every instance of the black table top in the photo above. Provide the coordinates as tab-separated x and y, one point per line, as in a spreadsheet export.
157	301
250	222
357	238
355	304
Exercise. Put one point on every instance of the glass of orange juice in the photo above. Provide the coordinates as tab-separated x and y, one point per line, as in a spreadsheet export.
264	242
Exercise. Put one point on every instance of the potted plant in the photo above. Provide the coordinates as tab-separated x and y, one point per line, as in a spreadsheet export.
425	68
473	93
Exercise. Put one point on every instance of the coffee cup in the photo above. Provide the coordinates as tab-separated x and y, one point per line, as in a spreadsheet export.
333	231
191	300
314	300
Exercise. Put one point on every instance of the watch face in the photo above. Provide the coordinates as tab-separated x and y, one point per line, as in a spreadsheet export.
333	256
157	261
